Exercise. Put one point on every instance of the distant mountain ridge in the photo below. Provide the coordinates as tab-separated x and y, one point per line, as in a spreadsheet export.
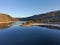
50	17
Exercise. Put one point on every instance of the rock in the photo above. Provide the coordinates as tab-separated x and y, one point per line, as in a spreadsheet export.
6	18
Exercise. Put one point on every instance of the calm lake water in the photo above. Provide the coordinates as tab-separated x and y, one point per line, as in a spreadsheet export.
31	35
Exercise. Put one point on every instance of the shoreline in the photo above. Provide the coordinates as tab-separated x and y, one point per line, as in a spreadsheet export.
52	26
9	22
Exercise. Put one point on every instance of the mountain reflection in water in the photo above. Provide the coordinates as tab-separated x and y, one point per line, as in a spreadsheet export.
14	34
5	25
50	27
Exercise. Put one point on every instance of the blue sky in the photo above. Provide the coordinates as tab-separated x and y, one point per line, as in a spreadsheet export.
25	8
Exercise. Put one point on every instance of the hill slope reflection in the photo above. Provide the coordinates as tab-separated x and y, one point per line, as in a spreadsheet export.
50	27
5	25
31	35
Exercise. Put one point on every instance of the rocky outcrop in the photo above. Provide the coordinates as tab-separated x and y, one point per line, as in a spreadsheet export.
6	21
6	18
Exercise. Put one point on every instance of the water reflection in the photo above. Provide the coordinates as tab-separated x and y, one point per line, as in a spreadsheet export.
31	35
5	25
48	26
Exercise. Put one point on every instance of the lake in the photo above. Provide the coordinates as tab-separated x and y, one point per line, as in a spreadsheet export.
31	35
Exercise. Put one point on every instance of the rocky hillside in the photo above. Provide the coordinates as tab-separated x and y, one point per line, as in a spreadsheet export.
50	17
6	18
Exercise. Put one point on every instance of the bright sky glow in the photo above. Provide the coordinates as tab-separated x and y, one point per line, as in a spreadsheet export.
25	8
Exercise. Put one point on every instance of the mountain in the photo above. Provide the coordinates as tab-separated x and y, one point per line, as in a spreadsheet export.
6	18
50	17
